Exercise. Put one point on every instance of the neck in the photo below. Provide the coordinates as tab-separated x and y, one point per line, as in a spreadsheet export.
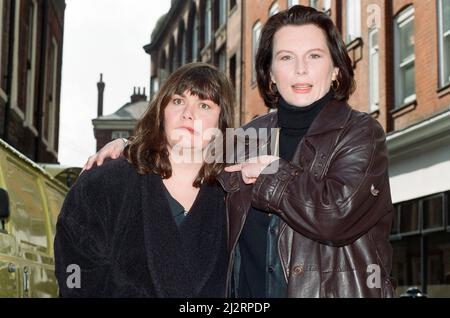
185	167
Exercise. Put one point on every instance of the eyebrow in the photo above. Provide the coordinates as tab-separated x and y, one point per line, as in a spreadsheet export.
288	51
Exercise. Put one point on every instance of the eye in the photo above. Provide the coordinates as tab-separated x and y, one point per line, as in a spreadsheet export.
315	56
177	101
205	106
285	57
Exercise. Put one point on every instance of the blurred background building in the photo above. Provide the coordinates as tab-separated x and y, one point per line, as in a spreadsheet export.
121	123
401	56
31	40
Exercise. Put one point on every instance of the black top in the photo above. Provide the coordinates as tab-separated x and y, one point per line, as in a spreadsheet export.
177	210
116	225
261	272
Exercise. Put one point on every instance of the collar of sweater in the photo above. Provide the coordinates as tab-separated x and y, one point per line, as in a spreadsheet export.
294	118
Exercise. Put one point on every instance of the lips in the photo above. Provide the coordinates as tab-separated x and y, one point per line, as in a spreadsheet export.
302	88
191	130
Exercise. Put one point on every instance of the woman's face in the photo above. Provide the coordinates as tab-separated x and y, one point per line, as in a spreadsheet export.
302	67
189	121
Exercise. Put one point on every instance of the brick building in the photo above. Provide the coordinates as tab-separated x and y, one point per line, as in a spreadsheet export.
120	124
30	75
401	56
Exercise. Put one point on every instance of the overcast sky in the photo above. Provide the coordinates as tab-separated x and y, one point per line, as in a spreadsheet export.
101	36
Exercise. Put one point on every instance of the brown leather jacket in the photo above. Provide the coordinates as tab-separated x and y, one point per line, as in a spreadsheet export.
335	205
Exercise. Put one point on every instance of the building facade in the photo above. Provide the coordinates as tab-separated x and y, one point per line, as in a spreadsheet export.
31	45
120	124
400	51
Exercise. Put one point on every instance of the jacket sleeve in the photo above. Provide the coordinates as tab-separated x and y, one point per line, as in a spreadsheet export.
81	263
337	207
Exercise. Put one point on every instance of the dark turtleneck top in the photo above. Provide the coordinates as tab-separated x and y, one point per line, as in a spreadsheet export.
260	272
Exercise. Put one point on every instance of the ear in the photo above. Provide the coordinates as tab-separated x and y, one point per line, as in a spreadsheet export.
272	77
335	74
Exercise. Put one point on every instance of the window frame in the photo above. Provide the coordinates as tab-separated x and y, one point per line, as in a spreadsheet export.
441	40
406	16
257	28
422	216
208	23
274	8
374	49
31	72
353	14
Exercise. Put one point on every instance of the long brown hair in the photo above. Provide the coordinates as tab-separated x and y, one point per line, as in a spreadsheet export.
147	150
302	15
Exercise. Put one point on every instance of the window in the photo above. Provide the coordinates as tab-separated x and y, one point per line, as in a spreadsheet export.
222	59
233	70
433	213
353	19
184	49
51	102
31	66
409	217
404	57
195	38
222	12
444	42
274	9
374	96
292	3
208	22
314	3
256	33
120	134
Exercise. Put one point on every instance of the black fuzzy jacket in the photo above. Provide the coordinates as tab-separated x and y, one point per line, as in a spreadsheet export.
116	227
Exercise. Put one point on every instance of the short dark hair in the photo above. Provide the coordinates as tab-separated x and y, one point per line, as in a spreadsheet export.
147	150
302	15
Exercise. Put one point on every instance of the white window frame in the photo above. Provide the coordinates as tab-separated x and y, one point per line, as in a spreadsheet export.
274	9
15	75
292	3
2	92
374	71
353	20
31	73
443	55
405	17
326	5
195	36
256	34
50	143
208	22
222	12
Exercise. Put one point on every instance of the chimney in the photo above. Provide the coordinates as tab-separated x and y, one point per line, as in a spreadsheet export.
101	89
137	96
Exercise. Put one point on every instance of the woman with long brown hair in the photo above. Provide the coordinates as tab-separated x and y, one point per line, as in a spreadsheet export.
153	224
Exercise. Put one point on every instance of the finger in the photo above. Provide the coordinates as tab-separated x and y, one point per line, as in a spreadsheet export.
248	180
89	163
234	168
100	160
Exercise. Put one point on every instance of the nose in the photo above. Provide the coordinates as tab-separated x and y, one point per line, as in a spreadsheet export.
300	67
188	113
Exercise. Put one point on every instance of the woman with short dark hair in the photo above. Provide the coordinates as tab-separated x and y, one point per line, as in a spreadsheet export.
311	219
